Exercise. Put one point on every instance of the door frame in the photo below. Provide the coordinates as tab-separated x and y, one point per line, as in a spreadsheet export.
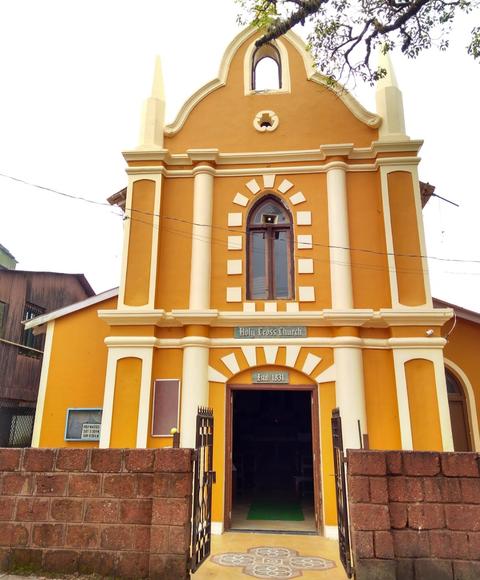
316	451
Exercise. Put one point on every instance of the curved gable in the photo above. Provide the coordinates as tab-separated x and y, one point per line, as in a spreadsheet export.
310	113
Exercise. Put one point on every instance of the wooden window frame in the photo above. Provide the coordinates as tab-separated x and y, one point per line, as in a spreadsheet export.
270	230
460	397
177	426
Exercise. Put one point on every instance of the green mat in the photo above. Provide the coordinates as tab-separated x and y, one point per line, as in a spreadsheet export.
275	510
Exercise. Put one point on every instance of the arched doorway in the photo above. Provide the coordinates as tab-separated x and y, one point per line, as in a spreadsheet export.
458	413
272	458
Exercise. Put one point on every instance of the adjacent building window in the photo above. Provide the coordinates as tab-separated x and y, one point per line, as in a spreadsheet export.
166	393
458	413
3	318
83	424
270	265
28	338
266	69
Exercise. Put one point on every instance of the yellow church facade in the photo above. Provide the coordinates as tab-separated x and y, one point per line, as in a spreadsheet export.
273	269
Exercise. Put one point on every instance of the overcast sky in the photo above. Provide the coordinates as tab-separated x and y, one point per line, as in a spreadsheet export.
74	75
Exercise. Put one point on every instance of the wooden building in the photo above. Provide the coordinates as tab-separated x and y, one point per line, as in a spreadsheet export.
24	295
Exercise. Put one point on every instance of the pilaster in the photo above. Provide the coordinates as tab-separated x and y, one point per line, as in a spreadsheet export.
340	265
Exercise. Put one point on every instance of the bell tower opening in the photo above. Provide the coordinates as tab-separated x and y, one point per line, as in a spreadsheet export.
266	69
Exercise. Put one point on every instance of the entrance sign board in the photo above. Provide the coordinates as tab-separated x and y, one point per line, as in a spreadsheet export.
270	332
279	377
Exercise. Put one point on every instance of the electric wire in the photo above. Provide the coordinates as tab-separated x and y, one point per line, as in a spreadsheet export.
231	229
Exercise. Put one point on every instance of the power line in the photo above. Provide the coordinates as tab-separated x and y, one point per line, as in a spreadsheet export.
232	230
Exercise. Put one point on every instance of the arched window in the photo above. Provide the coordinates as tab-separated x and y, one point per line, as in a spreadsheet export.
266	68
270	264
458	413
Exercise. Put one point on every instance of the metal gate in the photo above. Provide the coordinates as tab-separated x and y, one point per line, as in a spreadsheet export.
341	493
204	477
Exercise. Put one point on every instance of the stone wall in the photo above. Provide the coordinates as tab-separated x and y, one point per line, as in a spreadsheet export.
414	515
111	512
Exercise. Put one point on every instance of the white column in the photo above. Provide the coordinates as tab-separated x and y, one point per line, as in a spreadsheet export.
108	395
144	398
339	239
200	271
350	394
194	390
399	357
42	388
442	398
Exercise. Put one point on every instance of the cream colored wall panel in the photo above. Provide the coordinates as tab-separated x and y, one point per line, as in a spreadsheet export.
327	376
234	242
297	198
304	242
292	307
240	199
249	306
270	354
310	363
292	353
216	377
304	218
234	294
306	294
234	267
230	361
270	306
305	266
253	186
250	353
285	186
269	180
234	219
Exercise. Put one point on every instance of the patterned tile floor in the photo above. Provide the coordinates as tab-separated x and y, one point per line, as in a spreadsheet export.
271	556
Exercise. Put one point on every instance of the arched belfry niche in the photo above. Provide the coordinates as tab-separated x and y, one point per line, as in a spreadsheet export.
276	53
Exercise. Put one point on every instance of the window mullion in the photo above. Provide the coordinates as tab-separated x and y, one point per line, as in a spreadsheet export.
269	256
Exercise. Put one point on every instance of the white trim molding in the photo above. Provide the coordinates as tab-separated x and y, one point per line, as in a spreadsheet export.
371	119
42	388
408	166
201	260
435	356
340	262
156	178
116	353
470	400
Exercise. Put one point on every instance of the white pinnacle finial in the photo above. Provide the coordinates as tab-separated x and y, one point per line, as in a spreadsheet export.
153	117
158	91
385	62
389	102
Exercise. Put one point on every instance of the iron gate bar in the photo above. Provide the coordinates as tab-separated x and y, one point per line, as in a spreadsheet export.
341	493
204	477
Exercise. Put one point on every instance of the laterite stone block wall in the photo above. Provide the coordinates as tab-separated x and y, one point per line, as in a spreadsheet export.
112	512
414	515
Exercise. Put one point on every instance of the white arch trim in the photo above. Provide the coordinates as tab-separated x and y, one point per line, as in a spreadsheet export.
470	399
371	119
115	354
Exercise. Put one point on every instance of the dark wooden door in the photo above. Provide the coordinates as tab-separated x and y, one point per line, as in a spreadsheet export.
458	413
